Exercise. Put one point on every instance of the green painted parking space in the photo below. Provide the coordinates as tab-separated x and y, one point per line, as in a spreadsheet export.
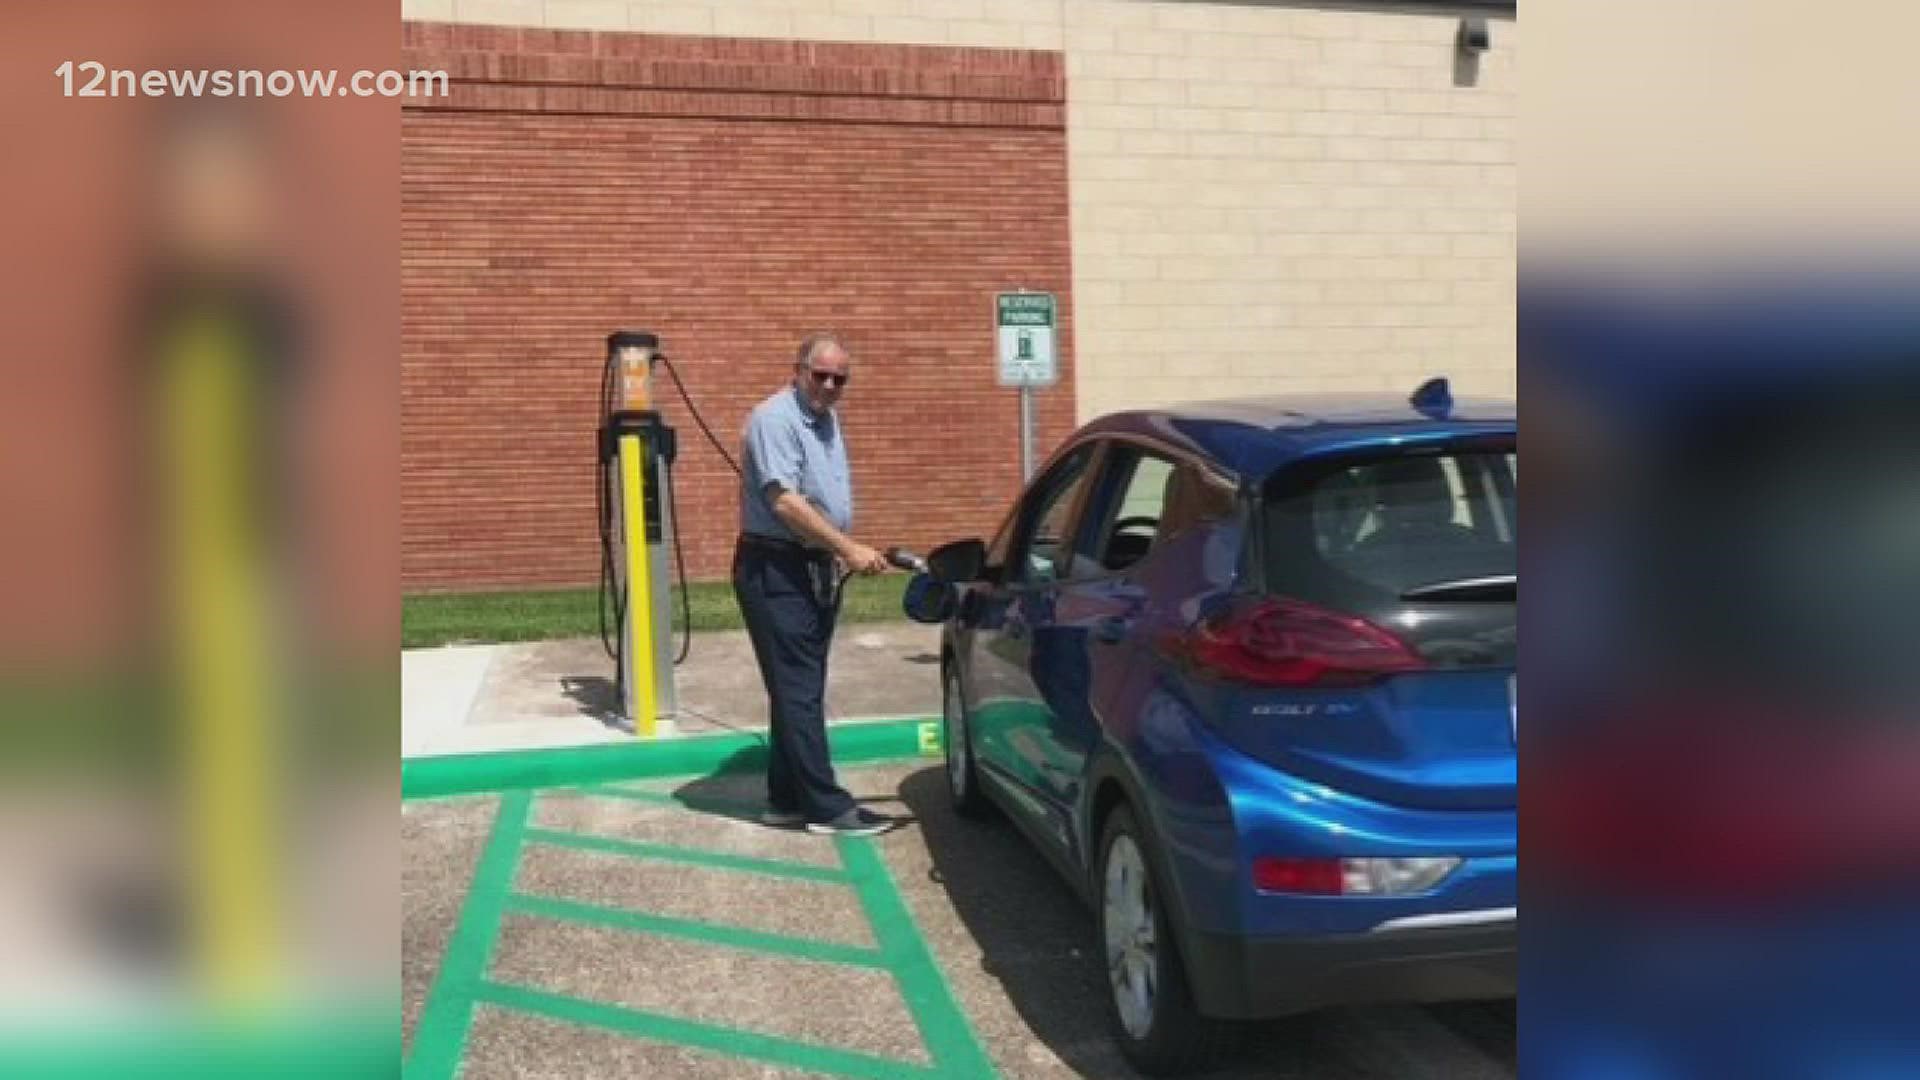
465	983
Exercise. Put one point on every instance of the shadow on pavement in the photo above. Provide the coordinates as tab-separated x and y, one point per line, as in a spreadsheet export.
596	697
737	789
1039	943
1036	937
1492	1026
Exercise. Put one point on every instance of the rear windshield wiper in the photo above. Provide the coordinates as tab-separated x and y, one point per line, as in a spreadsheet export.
1490	587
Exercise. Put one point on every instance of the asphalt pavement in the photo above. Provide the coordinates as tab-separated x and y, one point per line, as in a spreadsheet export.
655	929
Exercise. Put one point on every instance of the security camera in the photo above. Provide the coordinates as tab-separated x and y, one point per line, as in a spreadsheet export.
1474	36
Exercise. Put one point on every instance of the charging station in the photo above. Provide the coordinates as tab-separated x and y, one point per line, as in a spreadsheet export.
635	500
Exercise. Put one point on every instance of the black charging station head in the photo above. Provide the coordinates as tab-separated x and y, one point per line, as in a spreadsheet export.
627	339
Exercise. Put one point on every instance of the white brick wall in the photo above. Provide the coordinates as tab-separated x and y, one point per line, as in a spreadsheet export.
1275	199
1265	198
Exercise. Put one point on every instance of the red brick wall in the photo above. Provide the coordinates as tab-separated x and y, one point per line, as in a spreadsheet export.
729	195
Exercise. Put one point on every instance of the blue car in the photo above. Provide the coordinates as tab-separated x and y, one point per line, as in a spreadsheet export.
1244	672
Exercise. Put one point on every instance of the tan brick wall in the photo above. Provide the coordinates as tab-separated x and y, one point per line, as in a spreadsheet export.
1279	199
1264	197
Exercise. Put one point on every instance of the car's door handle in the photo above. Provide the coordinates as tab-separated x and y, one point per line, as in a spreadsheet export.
1112	630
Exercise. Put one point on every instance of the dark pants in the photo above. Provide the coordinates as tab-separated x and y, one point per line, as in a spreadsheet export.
786	599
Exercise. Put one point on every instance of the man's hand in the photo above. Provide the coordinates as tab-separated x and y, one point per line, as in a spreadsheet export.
863	559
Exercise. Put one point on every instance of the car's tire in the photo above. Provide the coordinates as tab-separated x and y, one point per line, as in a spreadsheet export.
956	739
1149	1002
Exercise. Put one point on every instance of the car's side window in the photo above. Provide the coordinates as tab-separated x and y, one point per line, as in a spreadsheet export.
1003	540
1047	519
1146	499
1193	498
1136	491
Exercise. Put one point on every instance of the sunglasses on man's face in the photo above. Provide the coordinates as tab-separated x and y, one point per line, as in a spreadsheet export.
829	378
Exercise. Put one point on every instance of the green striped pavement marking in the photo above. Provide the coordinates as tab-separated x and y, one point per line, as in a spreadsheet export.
852	741
691	856
447	1019
710	933
723	1040
612	791
699	804
441	1036
943	1026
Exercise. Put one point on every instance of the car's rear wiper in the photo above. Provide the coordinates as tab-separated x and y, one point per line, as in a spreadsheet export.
1491	587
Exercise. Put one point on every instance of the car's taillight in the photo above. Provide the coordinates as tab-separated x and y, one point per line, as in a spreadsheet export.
1312	877
1283	642
1351	877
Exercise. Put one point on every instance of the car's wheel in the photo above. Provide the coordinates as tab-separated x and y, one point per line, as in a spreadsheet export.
956	737
1154	1018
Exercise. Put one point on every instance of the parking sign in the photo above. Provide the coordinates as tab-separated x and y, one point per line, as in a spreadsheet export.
1025	325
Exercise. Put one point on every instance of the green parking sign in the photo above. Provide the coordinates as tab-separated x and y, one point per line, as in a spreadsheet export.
1024	325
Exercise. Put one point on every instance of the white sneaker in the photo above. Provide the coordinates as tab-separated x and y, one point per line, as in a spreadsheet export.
855	822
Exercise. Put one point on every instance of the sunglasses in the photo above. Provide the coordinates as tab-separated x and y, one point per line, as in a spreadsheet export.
828	378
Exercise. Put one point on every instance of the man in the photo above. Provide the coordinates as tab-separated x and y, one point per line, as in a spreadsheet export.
796	509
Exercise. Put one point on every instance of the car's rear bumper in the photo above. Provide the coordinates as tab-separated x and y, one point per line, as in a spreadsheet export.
1470	957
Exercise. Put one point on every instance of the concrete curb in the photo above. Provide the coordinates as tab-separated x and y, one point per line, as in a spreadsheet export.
854	742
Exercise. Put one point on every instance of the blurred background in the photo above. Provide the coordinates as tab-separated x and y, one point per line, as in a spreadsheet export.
1720	363
1719	353
199	632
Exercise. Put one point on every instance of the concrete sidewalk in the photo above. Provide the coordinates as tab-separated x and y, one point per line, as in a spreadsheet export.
539	695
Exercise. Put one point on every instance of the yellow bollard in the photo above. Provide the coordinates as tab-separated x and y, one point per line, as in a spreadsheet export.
639	613
221	628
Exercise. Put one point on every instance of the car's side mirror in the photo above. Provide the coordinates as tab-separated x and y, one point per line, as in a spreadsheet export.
929	601
959	562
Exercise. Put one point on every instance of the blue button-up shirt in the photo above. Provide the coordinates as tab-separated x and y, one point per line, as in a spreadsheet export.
787	443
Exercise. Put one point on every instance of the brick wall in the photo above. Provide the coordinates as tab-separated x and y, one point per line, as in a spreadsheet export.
1267	195
730	195
1277	198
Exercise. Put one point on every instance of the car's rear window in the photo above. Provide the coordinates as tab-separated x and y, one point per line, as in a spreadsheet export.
1424	544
